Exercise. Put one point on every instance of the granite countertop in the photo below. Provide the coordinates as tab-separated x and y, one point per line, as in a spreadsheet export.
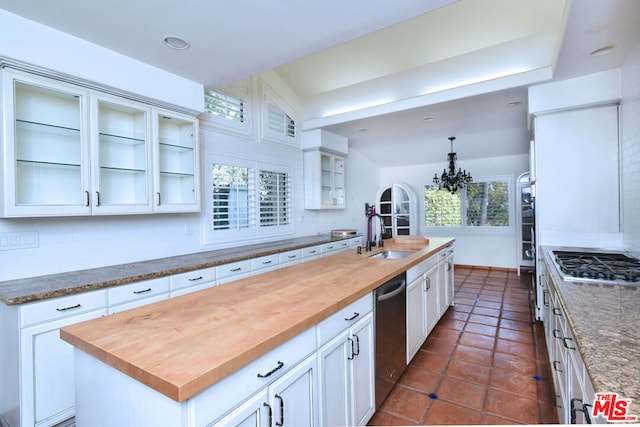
20	291
605	320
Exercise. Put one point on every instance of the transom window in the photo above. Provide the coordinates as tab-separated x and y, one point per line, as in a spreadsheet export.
224	105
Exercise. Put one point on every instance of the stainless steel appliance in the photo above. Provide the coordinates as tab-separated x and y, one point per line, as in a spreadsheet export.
391	335
597	267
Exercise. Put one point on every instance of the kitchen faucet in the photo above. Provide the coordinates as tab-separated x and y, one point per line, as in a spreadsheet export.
370	217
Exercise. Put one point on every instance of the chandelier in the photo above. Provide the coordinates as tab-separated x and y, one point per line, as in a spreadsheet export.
452	181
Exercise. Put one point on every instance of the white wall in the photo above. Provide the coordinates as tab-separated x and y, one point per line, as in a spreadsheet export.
630	143
492	249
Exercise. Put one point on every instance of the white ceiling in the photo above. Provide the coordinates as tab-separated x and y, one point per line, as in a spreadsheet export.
372	70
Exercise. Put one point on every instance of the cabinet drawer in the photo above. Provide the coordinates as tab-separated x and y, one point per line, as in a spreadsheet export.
137	303
192	278
233	269
58	308
329	248
264	262
334	324
419	269
311	252
137	290
226	394
290	257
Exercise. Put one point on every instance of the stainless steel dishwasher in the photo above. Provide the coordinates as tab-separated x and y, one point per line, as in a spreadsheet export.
391	335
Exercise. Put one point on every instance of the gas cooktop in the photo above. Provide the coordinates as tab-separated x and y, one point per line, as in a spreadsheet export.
602	267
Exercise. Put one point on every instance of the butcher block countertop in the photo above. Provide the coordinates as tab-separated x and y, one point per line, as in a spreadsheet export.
183	345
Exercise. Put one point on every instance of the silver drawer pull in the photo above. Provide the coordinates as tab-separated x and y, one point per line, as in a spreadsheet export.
68	308
144	291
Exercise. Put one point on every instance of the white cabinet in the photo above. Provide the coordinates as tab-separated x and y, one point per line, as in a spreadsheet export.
73	151
324	180
37	368
125	297
176	166
346	366
184	283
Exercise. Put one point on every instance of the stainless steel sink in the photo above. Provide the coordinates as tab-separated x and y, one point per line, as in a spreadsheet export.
392	254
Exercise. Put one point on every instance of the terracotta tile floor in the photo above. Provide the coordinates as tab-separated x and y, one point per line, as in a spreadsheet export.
485	362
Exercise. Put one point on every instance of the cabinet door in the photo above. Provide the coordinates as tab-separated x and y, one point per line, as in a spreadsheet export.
449	277
433	309
176	163
362	372
333	381
46	151
121	154
338	182
293	396
416	316
255	412
47	373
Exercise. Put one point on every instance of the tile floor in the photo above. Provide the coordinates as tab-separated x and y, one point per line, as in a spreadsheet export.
485	362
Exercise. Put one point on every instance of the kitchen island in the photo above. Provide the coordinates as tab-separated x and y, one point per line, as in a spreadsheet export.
181	347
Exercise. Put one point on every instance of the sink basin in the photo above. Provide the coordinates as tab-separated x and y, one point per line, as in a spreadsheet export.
392	254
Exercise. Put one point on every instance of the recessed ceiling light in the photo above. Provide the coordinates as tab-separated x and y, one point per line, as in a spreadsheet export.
363	130
428	119
513	104
604	50
176	42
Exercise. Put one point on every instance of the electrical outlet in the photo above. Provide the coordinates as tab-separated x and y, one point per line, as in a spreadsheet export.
18	240
188	229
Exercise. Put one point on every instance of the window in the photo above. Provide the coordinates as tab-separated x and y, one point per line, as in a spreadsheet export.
275	198
248	199
484	204
224	105
279	122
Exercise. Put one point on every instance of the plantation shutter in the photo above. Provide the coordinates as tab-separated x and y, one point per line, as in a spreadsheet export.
275	198
224	105
233	197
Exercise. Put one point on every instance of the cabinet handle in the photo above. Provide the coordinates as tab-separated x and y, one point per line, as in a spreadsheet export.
353	352
144	291
355	314
556	333
194	279
97	198
583	409
586	410
68	308
271	372
557	311
88	198
281	423
159	199
449	266
428	282
236	269
357	345
329	247
556	363
292	256
545	301
313	252
270	413
266	262
564	342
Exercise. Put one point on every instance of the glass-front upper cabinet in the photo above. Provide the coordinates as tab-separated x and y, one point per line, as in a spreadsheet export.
324	180
122	159
46	154
177	171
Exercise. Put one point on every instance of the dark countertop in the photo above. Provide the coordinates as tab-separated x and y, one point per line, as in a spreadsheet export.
20	291
605	320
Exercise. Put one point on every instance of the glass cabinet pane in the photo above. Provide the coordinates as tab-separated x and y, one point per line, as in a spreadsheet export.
123	155
338	181
48	146
176	161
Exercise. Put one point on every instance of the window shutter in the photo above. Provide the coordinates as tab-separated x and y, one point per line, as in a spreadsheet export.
275	198
280	122
224	105
233	197
488	204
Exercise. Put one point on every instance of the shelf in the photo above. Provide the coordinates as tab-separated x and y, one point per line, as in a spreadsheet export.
122	170
176	148
41	164
121	139
176	174
28	126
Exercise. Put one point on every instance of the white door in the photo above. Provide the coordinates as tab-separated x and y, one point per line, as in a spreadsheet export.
293	396
333	366
362	371
416	316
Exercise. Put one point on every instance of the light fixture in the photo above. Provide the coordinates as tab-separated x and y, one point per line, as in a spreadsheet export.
176	42
452	181
602	51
